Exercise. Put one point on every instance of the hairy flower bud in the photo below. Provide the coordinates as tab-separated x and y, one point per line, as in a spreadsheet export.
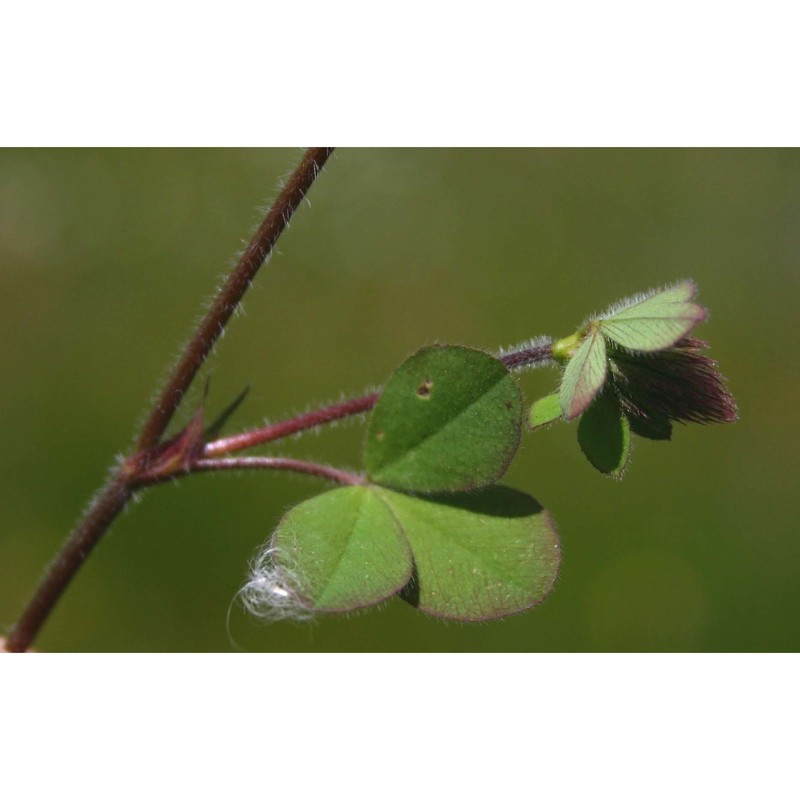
678	384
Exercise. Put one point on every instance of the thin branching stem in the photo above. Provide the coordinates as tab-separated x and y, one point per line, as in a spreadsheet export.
291	464
290	427
246	463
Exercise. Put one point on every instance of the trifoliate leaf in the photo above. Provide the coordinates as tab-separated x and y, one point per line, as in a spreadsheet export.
604	435
544	411
448	420
584	375
656	321
341	550
479	555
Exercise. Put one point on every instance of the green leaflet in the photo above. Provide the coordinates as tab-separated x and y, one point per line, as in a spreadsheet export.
584	375
342	550
448	420
479	555
605	436
657	321
544	411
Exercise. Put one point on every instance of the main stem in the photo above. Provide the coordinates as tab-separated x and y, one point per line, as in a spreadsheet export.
115	495
102	512
230	295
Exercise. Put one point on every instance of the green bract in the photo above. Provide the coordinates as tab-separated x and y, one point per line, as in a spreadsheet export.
584	375
342	550
545	411
655	322
604	435
448	420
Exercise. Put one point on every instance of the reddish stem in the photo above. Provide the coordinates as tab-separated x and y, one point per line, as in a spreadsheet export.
230	295
289	427
103	511
528	356
292	464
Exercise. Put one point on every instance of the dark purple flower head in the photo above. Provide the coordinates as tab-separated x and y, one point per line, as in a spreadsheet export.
677	384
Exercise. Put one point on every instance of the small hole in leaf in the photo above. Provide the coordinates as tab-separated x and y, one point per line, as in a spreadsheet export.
424	390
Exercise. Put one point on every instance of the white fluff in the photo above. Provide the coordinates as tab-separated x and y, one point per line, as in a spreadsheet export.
272	592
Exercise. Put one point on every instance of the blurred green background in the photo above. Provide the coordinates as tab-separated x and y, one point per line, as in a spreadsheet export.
108	256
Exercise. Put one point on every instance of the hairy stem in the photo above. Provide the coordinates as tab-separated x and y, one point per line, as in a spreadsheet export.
231	294
529	356
102	512
291	464
289	427
113	498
